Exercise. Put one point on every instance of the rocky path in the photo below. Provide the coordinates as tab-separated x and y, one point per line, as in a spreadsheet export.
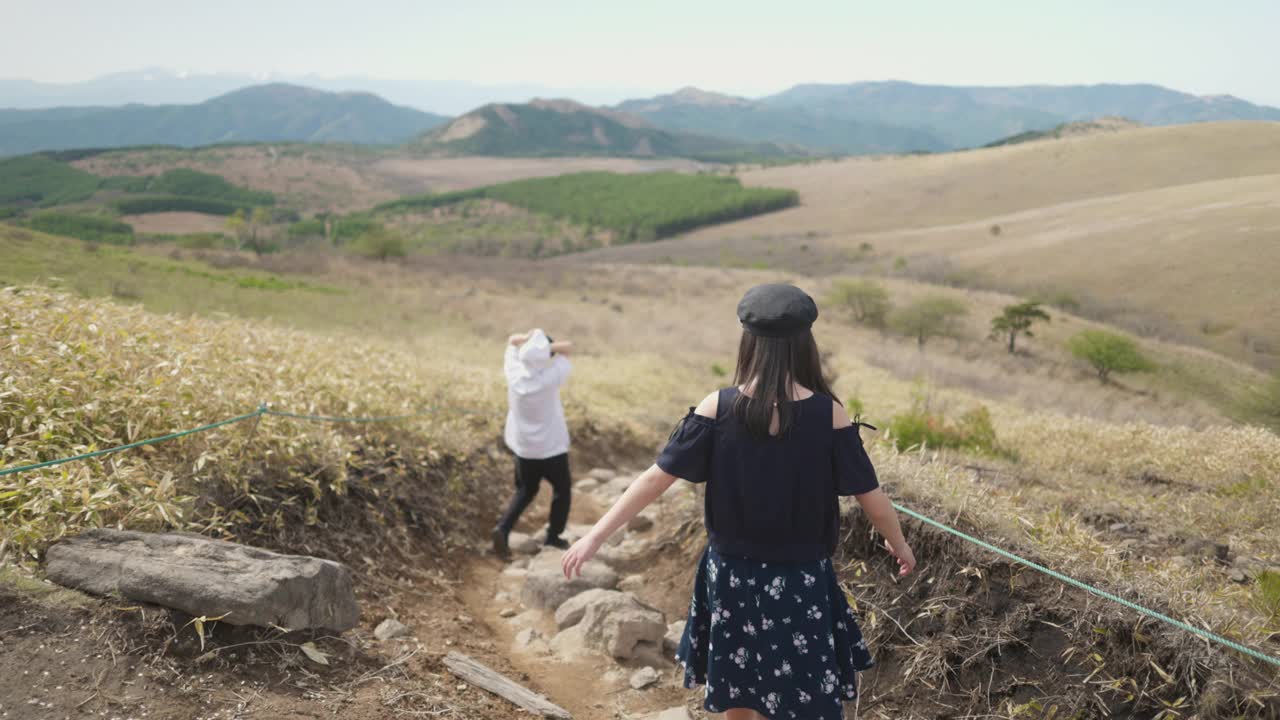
601	645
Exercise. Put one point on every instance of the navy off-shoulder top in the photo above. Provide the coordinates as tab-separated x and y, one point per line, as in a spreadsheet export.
774	499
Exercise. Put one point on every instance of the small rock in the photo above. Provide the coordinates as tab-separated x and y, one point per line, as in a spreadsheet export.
602	474
586	484
612	622
631	583
675	713
519	564
618	485
546	587
507	613
525	639
640	523
643	678
502	596
671	642
1182	562
515	573
389	629
1118	527
523	544
1237	576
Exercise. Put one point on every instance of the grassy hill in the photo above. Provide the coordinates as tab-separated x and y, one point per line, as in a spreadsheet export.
1131	515
1190	210
697	111
273	113
563	127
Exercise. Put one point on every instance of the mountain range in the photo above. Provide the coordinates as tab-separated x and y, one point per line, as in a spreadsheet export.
904	117
853	118
269	113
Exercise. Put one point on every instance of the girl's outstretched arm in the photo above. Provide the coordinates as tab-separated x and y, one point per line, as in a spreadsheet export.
642	491
884	517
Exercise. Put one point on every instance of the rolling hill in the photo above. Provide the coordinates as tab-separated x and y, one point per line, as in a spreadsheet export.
564	127
1191	210
698	111
270	113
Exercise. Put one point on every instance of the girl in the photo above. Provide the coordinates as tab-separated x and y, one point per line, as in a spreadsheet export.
769	631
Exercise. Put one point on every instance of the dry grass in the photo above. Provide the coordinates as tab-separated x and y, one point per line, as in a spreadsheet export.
398	336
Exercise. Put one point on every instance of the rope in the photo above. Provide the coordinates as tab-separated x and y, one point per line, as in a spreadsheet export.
375	418
151	441
1205	634
264	410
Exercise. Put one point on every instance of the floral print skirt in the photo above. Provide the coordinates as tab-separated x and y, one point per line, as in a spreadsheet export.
777	638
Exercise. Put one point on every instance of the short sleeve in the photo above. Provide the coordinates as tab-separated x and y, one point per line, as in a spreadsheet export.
851	466
688	451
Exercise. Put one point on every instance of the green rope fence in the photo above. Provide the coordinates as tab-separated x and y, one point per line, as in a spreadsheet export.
265	410
1205	634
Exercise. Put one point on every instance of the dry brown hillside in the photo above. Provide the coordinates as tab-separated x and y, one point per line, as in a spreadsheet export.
1171	231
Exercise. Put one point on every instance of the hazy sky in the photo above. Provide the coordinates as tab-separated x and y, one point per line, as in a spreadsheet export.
737	46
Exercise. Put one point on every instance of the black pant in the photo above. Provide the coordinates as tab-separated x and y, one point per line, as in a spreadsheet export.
529	476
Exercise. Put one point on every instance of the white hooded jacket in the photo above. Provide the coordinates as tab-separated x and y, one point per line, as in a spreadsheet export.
536	427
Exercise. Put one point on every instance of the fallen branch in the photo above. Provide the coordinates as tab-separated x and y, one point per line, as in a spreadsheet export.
498	684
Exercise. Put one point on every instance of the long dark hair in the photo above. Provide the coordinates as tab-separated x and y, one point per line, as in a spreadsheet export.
767	367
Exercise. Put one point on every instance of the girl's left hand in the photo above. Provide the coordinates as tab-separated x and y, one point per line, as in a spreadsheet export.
578	555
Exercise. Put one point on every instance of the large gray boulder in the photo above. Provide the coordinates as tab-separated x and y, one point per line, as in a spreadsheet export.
546	588
207	577
612	622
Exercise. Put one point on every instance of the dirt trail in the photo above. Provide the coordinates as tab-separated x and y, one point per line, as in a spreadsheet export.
589	686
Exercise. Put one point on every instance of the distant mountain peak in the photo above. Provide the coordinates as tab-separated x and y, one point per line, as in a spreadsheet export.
695	96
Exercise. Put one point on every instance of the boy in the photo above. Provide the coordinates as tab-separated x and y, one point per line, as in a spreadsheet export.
536	432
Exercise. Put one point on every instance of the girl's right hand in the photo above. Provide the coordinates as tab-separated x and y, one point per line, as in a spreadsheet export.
906	559
578	555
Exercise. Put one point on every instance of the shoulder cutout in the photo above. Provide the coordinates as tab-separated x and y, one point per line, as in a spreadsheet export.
839	416
709	405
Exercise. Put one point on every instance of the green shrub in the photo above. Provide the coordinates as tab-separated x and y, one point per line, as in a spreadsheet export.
380	244
1267	595
353	226
309	228
1017	320
90	228
868	300
203	241
718	370
126	183
929	316
185	182
973	431
854	406
41	181
173	203
1108	353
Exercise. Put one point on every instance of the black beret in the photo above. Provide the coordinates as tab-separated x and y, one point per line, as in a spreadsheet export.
777	310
